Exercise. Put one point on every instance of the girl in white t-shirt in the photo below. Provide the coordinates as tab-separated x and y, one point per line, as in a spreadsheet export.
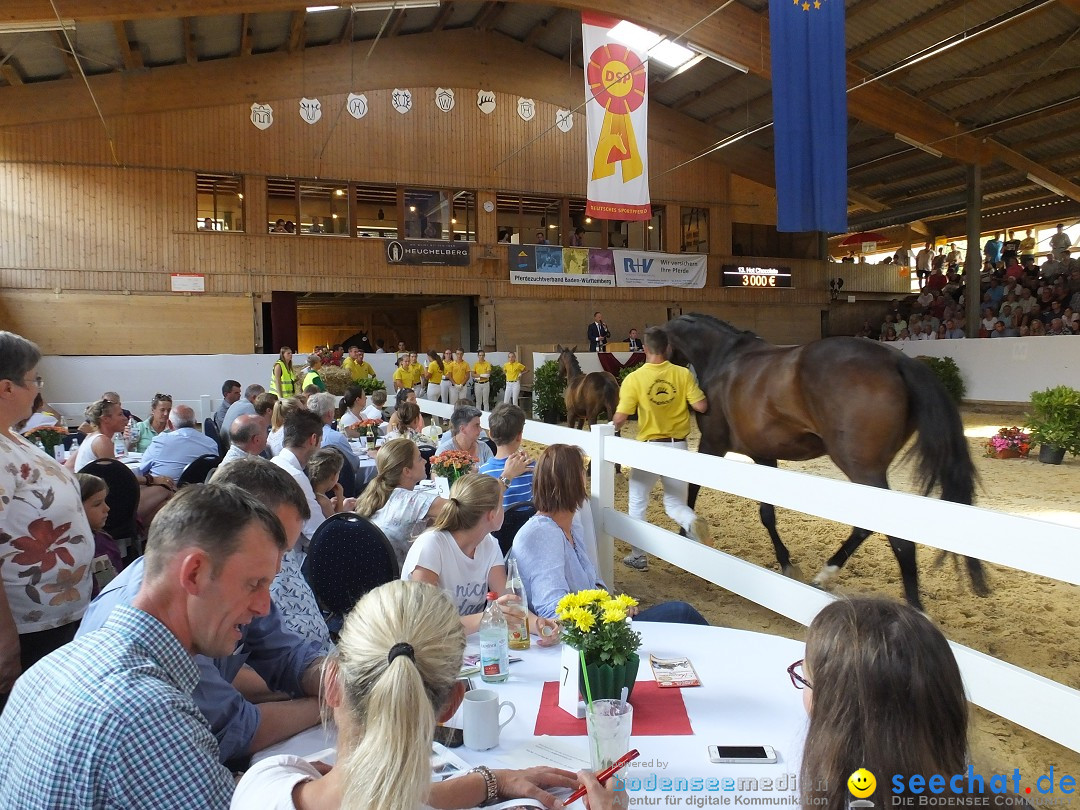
460	556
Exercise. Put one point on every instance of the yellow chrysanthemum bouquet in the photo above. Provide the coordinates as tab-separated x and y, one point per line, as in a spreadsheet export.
594	622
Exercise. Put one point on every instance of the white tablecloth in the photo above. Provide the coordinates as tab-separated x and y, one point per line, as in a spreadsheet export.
746	698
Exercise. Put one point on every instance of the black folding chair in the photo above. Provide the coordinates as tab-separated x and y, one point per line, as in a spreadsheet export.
513	519
348	556
347	476
427	451
198	470
486	440
123	501
209	428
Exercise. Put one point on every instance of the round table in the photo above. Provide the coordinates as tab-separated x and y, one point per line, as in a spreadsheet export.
746	698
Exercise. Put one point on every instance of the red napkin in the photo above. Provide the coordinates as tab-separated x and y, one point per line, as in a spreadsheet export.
657	713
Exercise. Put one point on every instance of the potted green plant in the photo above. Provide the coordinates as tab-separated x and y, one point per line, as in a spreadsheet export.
949	373
594	623
497	381
1054	421
548	388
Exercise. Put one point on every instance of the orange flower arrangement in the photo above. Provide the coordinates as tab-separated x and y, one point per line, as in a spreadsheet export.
48	435
453	463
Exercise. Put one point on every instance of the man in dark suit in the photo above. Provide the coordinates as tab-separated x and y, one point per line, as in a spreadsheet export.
598	334
635	341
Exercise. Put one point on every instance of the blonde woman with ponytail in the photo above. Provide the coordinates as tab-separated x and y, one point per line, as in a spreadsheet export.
392	677
391	499
460	556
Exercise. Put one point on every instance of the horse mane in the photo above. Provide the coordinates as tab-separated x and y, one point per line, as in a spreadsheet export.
719	325
575	366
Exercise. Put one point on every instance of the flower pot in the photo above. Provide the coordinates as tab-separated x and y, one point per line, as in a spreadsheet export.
1050	454
1008	452
606	681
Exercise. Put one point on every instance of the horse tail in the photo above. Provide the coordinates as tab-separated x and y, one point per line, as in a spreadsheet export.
944	457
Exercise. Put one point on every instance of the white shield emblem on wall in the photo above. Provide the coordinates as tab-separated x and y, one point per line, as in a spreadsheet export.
262	115
357	105
485	100
444	99
402	100
526	109
310	109
564	120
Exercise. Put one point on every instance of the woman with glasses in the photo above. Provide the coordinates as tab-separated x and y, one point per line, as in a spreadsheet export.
157	422
47	545
884	693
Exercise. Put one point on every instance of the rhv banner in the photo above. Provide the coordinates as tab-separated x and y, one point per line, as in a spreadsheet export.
616	119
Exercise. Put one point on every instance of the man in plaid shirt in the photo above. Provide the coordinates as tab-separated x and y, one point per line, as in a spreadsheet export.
108	720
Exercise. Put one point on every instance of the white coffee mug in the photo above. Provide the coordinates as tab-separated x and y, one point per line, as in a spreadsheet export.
480	721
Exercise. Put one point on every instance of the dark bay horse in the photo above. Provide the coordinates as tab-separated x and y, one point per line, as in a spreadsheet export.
587	395
849	398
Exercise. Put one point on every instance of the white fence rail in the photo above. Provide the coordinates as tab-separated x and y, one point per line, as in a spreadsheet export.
1049	549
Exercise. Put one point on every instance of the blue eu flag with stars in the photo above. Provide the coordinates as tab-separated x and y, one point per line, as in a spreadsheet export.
809	114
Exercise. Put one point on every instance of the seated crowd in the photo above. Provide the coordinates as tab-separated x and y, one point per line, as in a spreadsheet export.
1018	299
211	646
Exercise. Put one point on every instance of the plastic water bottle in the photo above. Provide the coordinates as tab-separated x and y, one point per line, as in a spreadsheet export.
119	445
59	453
74	446
519	627
494	647
129	429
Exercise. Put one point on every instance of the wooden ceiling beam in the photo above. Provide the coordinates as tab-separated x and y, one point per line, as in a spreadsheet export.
71	62
984	71
865	201
1044	113
129	51
396	21
1045	137
295	41
245	35
191	49
10	74
442	18
927	17
489	15
704	95
990	103
544	25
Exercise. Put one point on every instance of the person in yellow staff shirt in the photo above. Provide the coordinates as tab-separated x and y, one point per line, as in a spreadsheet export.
358	368
481	374
416	374
434	375
402	375
458	371
513	371
659	393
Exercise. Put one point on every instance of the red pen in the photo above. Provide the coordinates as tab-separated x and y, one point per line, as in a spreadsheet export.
605	774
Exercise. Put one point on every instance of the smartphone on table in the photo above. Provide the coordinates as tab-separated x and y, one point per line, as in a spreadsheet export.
742	754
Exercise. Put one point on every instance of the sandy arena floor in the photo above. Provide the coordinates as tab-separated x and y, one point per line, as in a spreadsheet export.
1028	620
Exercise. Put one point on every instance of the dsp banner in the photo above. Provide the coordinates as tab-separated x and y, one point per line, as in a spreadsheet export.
616	118
550	266
640	269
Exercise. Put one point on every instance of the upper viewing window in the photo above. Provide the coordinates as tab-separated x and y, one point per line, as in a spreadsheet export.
219	202
376	211
440	214
324	207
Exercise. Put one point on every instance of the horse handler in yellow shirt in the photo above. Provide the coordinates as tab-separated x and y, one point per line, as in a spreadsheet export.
481	374
512	369
659	392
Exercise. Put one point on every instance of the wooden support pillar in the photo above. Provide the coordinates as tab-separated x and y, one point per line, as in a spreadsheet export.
973	255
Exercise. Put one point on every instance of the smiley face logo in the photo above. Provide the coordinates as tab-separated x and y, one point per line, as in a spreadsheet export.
861	783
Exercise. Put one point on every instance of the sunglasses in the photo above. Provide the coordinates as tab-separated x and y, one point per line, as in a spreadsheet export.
797	678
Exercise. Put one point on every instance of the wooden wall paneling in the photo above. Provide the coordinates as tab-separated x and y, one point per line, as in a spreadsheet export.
445	326
99	324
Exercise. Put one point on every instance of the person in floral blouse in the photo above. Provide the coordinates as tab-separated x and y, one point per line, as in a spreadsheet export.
46	545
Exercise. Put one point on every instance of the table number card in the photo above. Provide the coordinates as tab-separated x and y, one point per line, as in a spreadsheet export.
569	678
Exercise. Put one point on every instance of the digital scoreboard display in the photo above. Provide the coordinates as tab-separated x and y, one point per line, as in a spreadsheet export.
737	275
